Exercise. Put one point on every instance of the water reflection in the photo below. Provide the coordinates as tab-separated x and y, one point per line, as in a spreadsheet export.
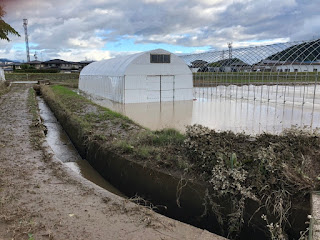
154	115
249	109
64	150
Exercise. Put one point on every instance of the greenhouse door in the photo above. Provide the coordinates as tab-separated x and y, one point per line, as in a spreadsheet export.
167	88
160	88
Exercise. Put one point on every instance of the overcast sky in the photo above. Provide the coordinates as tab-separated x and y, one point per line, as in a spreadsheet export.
76	30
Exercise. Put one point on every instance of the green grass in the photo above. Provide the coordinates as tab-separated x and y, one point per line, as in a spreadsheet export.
36	127
3	88
66	79
30	236
166	136
33	105
114	129
124	146
205	78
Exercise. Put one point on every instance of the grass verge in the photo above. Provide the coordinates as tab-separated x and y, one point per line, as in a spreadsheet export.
65	79
116	131
36	128
4	88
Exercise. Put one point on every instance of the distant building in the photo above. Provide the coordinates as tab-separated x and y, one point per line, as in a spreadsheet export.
298	67
58	64
35	64
65	66
199	66
9	67
265	66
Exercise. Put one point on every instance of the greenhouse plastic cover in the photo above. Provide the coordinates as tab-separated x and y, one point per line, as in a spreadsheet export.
110	67
133	79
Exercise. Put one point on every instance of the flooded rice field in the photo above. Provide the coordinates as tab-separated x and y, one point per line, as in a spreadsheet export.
250	109
64	150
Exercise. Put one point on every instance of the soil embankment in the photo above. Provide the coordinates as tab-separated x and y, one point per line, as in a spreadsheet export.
40	199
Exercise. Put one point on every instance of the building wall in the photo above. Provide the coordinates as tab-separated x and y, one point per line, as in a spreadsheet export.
298	68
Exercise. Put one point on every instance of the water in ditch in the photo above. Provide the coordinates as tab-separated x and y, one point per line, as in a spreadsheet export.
64	150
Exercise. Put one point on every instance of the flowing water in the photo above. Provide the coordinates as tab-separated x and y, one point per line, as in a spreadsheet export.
64	150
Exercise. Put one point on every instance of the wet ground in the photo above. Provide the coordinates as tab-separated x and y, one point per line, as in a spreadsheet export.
64	150
250	109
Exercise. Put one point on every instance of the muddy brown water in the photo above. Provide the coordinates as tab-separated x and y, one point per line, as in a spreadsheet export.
249	109
64	150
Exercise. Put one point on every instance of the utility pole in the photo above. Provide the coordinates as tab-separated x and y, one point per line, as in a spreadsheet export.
25	26
230	49
222	55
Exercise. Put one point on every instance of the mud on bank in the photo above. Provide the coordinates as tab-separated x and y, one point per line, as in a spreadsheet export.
4	87
267	176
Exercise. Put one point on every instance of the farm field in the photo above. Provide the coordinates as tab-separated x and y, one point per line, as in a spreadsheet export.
250	109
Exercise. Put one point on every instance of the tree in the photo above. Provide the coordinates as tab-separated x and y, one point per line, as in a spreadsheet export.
5	28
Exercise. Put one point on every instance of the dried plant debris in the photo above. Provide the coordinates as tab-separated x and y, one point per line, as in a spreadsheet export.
271	170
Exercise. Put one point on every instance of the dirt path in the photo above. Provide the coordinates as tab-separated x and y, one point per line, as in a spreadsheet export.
40	199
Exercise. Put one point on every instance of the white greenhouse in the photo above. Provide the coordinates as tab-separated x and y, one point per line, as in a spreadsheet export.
2	78
153	76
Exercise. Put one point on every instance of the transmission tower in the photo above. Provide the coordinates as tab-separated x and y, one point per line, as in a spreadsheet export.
25	26
222	55
230	49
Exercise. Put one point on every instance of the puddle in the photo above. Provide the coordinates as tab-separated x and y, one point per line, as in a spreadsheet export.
250	109
64	150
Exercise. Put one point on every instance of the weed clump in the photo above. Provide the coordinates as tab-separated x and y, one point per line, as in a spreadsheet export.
4	87
272	171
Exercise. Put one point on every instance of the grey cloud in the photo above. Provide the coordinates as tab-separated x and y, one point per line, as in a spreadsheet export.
54	23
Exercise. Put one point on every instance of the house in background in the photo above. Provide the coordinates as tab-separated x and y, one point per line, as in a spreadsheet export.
65	66
35	64
198	65
58	64
9	67
298	67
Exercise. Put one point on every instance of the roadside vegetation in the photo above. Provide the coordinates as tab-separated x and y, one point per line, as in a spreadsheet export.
37	129
205	79
64	79
273	174
115	130
4	87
